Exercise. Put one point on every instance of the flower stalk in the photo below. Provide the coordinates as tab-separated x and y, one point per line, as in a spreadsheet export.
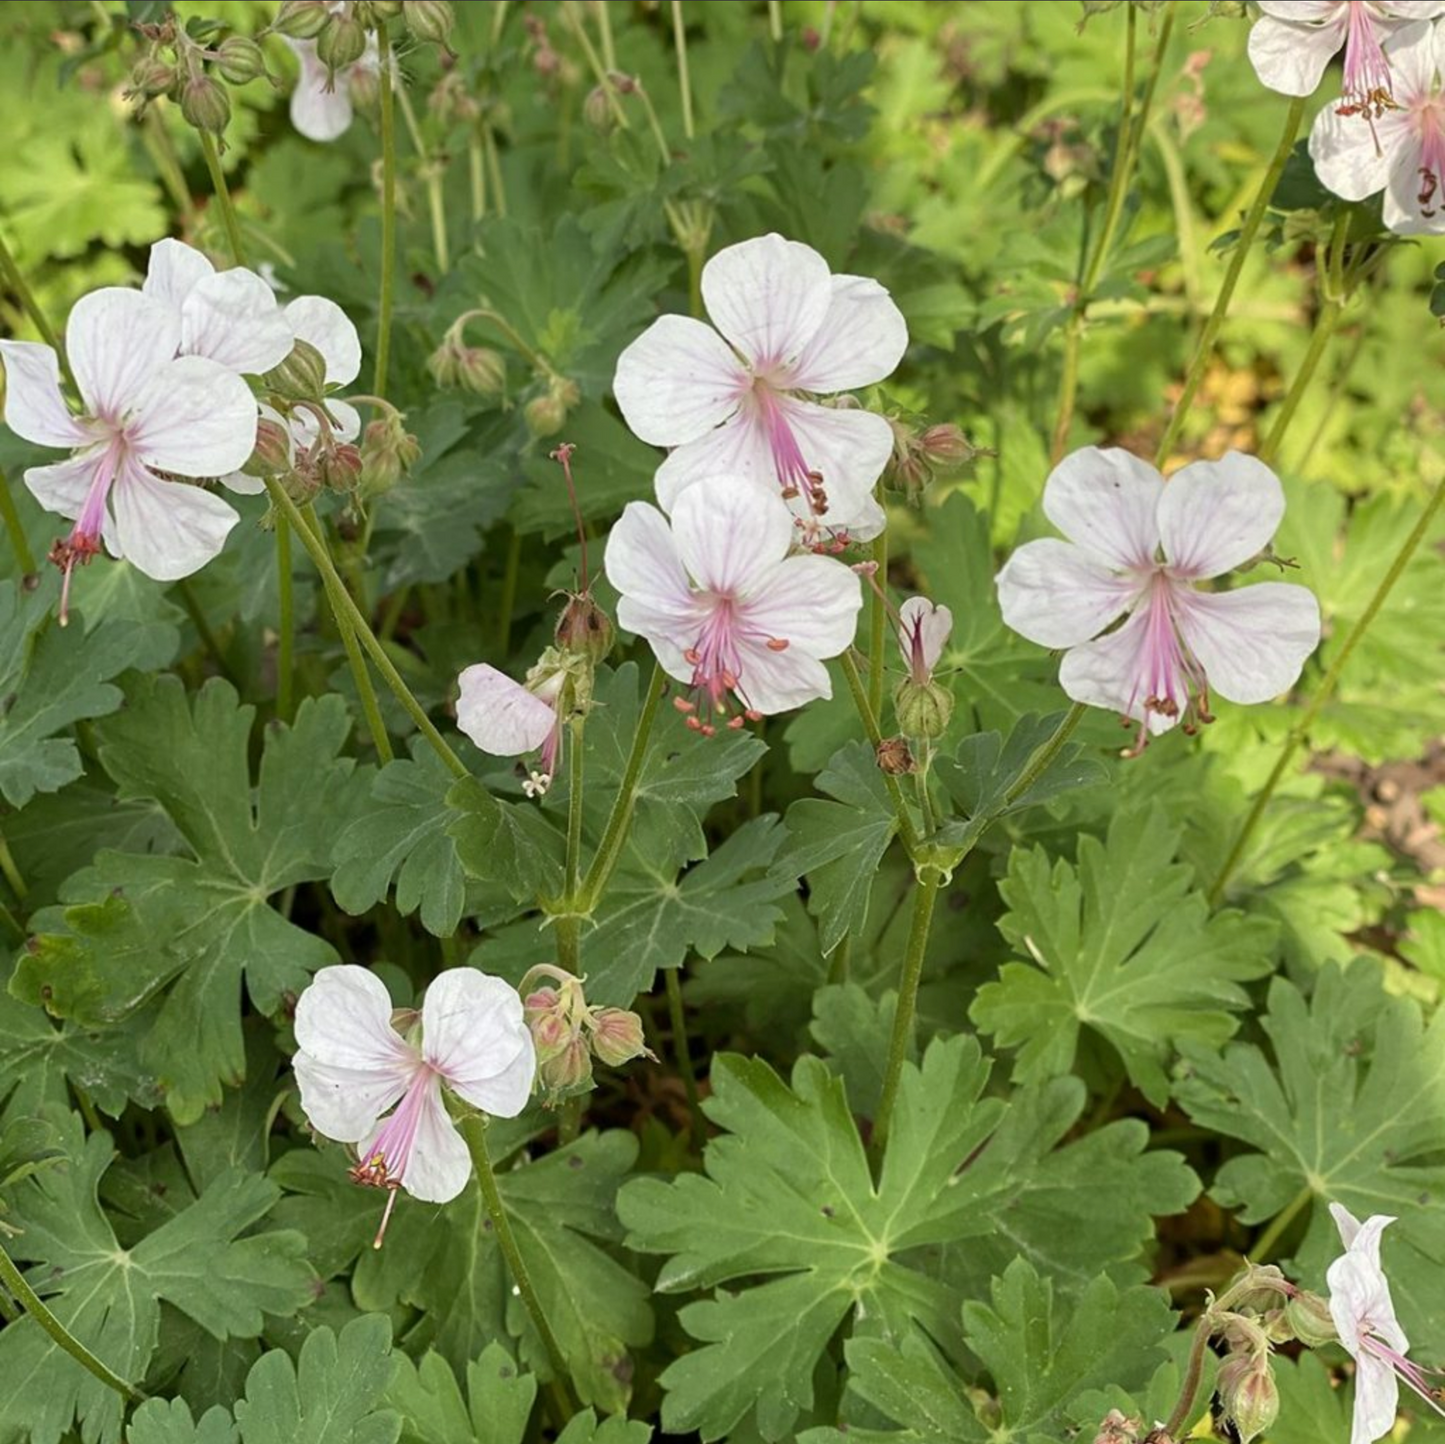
678	1018
388	212
286	635
14	277
14	529
223	197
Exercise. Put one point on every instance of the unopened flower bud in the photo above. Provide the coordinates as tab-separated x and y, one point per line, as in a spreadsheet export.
1261	1288
272	453
151	77
1310	1320
584	629
617	1036
1247	1390
895	757
301	484
340	467
302	19
923	709
341	43
387	450
1116	1427
597	111
363	85
547	414
430	21
301	376
547	1022
946	445
240	59
205	104
568	1071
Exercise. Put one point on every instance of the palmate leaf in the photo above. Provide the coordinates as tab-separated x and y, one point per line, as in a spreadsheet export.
333	1394
110	1298
788	1194
1123	946
196	925
1349	1108
1040	1354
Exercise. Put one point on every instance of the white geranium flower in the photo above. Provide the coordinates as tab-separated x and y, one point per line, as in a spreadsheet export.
322	107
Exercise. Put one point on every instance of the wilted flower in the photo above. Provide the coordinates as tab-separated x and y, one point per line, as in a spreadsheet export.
1137	546
149	416
1402	150
727	610
506	719
354	1068
1364	1316
733	404
1294	40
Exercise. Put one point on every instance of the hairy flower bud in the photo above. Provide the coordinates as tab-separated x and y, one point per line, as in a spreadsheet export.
584	629
895	757
205	104
1310	1320
387	450
430	21
240	59
546	1020
923	709
546	415
302	19
341	43
340	468
617	1037
151	77
272	454
946	445
567	1071
1247	1391
597	111
1116	1427
301	376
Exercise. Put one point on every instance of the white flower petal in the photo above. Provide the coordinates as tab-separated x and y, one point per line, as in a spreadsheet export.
1253	642
1305	11
1413	9
730	535
343	1018
242	483
1291	59
668	634
63	488
930	625
642	562
35	409
507	1092
501	716
1214	515
1377	1400
319	113
440	1164
1412	52
1055	594
774	682
861	525
173	272
324	325
847	448
472	1027
232	319
345	1103
1403	212
768	296
166	529
736	448
677	381
861	341
193	417
1347	158
116	341
1105	501
810	602
1347	1223
1107	673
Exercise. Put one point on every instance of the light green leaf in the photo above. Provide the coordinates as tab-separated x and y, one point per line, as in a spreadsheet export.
498	1404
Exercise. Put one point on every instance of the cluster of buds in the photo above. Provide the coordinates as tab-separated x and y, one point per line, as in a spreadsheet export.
554	67
387	450
569	1035
192	65
920	452
477	369
340	28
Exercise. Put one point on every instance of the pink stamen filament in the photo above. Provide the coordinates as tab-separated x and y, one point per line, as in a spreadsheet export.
1411	1374
385	1162
1170	678
717	668
1367	84
84	540
790	467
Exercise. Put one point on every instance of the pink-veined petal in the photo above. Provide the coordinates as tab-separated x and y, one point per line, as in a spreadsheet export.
501	716
928	624
1303	12
323	324
1053	593
1215	515
1291	58
642	562
669	635
677	381
166	529
343	1018
768	296
1413	9
731	536
847	448
173	271
63	488
1110	672
345	1103
1413	52
1105	501
1353	159
474	1035
1253	642
1405	212
810	602
439	1165
774	682
35	408
193	417
232	318
116	341
736	448
318	113
861	341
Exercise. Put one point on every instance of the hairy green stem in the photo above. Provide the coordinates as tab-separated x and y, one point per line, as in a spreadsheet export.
1203	1331
474	1131
1247	232
569	1125
685	1066
432	173
614	834
10	871
476	173
1325	324
1039	763
223	198
494	170
286	636
1300	731
509	592
1264	1246
906	830
878	624
901	1039
14	277
162	151
31	1302
388	212
684	80
342	602
572	869
775	20
16	531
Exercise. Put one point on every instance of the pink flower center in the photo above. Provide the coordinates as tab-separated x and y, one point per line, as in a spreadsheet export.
1170	683
718	676
85	539
1367	88
386	1161
790	467
918	669
1427	119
